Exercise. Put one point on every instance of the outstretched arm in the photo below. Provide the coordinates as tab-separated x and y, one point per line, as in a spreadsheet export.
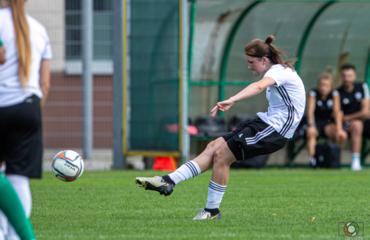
253	89
250	91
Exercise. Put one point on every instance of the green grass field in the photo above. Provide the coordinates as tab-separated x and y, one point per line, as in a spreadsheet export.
258	204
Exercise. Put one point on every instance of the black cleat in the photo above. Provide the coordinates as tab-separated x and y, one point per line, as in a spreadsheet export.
155	184
207	215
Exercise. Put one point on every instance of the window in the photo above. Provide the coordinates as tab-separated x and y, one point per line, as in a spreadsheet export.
102	36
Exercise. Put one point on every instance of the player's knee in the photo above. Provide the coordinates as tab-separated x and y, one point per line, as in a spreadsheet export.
345	137
310	134
217	157
357	126
210	145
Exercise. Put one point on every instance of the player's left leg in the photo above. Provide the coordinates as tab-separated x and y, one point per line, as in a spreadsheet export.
222	160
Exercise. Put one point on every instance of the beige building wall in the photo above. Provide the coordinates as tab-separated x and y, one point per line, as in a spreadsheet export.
51	14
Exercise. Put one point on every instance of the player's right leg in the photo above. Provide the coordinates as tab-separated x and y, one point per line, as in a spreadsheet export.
164	185
257	138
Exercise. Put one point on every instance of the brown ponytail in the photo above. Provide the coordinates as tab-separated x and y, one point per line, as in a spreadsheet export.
22	38
260	48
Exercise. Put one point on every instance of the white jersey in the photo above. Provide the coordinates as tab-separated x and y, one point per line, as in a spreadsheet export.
287	99
11	91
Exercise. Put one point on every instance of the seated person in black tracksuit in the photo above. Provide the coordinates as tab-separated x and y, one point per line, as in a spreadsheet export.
355	106
324	116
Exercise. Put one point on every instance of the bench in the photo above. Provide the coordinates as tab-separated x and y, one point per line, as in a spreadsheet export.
295	146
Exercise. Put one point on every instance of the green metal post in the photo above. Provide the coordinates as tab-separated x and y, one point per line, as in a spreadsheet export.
191	41
367	70
365	149
191	35
225	56
306	34
190	51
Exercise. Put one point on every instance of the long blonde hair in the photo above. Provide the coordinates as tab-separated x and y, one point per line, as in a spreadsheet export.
22	38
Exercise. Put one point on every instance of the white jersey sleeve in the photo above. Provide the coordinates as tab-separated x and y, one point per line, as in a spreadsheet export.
366	90
47	53
277	74
312	93
335	93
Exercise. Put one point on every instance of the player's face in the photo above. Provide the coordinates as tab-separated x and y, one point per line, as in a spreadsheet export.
257	65
348	77
325	87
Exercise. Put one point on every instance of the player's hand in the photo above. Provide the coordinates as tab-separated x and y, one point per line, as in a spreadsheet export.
222	106
341	135
312	131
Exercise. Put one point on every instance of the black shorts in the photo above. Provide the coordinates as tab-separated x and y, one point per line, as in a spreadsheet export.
320	126
20	138
346	126
254	138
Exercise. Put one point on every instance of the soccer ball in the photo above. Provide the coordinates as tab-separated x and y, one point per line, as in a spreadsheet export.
67	165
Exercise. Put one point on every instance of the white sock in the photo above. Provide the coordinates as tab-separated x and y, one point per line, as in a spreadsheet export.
356	157
215	194
186	171
21	185
313	161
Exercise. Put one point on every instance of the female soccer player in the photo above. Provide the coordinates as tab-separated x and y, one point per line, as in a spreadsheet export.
265	134
10	205
323	103
24	85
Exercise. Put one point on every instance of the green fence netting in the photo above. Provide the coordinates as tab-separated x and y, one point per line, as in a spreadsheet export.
154	76
339	33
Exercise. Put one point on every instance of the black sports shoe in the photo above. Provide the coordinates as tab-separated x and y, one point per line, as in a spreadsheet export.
156	184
